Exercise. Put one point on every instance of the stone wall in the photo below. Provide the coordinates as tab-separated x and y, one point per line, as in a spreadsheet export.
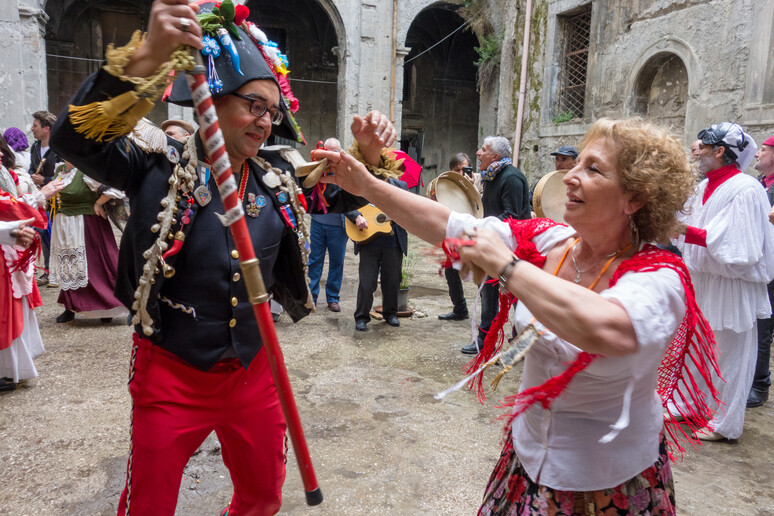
23	63
685	64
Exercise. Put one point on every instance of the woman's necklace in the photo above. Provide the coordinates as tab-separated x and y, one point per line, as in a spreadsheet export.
579	272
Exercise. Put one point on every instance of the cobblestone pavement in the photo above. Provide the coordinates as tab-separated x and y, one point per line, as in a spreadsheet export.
380	442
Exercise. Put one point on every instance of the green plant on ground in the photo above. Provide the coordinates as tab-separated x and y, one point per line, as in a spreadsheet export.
407	269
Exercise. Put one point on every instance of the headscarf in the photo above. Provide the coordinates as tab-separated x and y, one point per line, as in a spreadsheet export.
16	139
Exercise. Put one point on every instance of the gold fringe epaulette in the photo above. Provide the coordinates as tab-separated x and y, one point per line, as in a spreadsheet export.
388	166
117	116
148	137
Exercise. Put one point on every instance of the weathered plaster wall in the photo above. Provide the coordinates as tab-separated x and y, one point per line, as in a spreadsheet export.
22	66
722	44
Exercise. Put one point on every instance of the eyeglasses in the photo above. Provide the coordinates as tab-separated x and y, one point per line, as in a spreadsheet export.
258	108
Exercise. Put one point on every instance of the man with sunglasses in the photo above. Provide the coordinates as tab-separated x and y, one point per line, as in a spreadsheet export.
728	247
197	363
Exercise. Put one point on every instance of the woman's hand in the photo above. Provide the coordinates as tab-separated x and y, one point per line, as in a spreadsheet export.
24	235
345	171
489	252
373	132
99	209
172	23
52	188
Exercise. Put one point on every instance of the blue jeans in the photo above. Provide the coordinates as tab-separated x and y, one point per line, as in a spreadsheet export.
333	239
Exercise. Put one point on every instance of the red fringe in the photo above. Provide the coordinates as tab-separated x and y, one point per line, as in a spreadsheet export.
694	341
524	231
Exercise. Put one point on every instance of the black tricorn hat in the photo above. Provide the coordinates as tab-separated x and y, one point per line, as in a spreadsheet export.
253	66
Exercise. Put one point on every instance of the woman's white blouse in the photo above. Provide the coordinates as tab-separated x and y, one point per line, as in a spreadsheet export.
571	446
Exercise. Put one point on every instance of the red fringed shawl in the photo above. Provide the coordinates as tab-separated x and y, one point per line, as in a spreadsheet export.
693	341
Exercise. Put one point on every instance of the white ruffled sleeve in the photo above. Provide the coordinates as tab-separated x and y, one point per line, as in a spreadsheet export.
458	222
740	239
95	186
5	232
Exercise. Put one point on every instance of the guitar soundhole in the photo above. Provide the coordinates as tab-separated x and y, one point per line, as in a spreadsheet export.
381	218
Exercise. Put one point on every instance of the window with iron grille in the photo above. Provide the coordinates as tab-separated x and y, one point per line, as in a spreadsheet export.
574	59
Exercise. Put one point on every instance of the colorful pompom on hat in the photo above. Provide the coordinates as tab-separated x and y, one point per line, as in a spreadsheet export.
237	52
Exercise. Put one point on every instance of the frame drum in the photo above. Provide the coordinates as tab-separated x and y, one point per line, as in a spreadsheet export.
550	195
457	193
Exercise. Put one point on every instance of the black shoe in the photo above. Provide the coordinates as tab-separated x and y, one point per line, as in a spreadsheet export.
7	384
392	320
757	398
473	348
66	316
361	326
275	317
451	316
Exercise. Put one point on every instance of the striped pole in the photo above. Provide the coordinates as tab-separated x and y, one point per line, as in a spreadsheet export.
234	219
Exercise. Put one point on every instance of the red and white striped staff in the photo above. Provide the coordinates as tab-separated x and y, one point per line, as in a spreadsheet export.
234	219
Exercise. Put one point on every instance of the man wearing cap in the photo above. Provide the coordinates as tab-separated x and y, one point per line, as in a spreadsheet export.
197	362
728	247
564	157
177	129
759	392
506	195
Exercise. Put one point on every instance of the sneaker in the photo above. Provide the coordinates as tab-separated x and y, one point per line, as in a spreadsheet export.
705	434
42	280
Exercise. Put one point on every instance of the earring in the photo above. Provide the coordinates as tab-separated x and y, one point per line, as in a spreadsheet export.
635	237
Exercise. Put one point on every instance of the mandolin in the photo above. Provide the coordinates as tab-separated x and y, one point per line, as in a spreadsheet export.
378	223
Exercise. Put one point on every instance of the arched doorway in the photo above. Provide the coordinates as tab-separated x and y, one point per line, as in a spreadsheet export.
305	32
661	91
77	34
440	100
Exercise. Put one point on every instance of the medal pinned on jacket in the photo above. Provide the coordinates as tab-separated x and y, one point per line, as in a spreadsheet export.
254	204
202	193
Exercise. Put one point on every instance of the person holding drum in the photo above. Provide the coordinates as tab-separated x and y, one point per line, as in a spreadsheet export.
601	308
460	164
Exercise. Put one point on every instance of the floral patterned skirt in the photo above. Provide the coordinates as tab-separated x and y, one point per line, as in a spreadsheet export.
511	492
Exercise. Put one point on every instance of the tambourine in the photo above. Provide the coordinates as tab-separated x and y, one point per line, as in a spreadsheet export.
457	193
550	195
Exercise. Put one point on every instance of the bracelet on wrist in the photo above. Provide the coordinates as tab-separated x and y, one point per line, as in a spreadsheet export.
505	274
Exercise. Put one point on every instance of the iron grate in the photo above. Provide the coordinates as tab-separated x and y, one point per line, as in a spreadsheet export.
575	60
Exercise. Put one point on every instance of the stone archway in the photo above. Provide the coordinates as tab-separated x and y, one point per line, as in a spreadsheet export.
661	92
77	34
306	32
440	100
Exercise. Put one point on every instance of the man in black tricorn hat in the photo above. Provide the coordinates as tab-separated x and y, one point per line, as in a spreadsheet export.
197	362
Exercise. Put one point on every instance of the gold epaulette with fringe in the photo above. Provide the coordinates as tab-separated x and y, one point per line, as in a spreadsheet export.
117	116
148	137
388	166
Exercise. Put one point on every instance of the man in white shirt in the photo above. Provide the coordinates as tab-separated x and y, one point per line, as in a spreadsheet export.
759	392
728	247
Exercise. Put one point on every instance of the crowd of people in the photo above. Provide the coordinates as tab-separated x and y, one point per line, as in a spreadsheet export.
651	307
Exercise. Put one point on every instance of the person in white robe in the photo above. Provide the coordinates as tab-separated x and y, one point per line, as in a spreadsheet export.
728	247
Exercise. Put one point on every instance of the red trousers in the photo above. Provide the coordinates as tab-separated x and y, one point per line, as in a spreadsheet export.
176	406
